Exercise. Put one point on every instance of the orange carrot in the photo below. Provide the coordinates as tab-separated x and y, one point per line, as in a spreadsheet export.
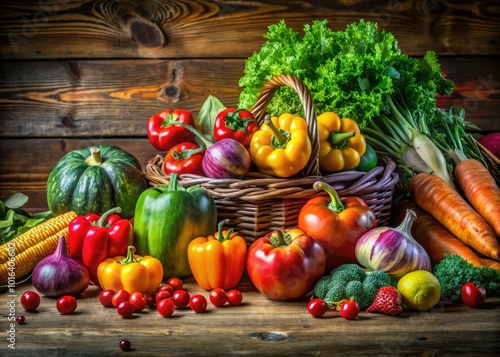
434	237
481	190
435	196
495	264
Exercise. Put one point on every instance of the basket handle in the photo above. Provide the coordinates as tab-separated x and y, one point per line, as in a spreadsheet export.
259	111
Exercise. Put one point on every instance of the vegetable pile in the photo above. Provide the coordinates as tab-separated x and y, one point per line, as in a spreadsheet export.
110	230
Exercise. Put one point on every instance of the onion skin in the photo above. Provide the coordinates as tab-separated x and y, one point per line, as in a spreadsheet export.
227	158
58	274
392	250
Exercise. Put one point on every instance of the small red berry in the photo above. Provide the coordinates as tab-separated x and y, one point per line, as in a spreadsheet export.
125	345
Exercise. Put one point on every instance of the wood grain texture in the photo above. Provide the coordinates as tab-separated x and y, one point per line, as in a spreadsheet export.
116	97
214	29
258	327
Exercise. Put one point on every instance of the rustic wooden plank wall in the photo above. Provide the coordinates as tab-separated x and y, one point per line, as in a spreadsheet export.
78	73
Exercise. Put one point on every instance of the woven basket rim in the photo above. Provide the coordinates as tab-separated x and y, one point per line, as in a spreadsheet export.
258	187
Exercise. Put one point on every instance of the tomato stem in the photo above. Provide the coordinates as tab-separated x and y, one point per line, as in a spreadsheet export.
206	142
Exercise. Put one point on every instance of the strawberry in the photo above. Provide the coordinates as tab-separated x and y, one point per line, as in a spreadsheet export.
387	301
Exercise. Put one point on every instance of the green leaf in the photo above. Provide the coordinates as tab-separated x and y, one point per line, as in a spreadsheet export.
9	219
207	114
15	200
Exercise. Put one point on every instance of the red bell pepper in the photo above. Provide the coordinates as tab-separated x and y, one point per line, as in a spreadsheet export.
93	238
163	135
337	223
184	158
238	124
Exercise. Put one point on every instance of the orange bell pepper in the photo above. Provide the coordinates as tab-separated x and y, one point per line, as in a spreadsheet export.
132	273
218	261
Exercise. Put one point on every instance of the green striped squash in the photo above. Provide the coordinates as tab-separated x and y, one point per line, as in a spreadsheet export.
94	180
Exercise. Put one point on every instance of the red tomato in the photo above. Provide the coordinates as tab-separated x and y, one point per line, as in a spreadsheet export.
66	304
349	309
165	307
472	295
30	300
184	158
105	297
198	303
138	300
286	264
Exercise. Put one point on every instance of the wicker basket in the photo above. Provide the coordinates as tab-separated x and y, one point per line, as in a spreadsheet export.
259	203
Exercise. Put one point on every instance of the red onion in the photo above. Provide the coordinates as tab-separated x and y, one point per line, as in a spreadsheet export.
58	274
226	158
392	250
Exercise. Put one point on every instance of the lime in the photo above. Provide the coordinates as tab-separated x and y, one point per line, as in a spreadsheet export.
419	289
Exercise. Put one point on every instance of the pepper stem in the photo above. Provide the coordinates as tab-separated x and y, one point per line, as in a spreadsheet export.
103	220
336	204
130	256
279	135
95	158
340	140
220	233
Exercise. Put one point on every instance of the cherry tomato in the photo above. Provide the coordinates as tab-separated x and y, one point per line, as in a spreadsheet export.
66	304
150	301
181	298
349	309
317	307
218	297
166	287
120	296
138	300
105	297
472	295
125	309
162	295
30	300
176	283
165	307
234	297
125	345
198	303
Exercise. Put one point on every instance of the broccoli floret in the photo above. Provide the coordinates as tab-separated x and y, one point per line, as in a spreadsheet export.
454	271
336	291
348	272
374	281
322	287
355	289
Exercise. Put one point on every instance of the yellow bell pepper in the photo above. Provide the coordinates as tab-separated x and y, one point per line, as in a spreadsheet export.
281	147
132	273
218	261
341	143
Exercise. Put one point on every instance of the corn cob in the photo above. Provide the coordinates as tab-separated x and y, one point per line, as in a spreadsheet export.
34	245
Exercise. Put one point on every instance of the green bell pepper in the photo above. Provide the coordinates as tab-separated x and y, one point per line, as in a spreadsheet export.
167	218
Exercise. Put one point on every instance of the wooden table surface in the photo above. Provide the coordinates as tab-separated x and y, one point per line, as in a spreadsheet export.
258	327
